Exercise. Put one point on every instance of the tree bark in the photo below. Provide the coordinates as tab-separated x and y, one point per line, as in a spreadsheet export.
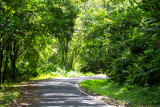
5	69
135	1
14	70
1	62
13	57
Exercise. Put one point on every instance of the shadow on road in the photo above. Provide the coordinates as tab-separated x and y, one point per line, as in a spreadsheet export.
62	92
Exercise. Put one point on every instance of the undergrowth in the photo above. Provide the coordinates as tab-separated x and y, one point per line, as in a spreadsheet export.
8	97
144	96
61	73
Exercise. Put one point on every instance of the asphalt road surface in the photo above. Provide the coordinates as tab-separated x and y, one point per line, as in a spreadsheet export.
62	92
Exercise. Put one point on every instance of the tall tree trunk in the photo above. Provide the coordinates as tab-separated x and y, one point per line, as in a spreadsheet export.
66	53
104	3
1	62
5	69
63	53
2	45
61	48
13	57
14	70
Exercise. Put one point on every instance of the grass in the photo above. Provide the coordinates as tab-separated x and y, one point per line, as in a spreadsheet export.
146	96
7	97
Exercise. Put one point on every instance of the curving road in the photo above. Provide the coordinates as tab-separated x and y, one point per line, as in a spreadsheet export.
62	92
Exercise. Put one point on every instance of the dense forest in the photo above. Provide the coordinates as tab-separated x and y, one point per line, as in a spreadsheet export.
117	37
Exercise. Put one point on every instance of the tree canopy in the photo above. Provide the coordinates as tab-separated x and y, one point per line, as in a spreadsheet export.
116	37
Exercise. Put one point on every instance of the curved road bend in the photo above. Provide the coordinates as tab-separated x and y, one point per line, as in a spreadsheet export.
62	92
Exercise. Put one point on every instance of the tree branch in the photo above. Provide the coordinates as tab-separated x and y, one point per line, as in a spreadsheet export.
135	1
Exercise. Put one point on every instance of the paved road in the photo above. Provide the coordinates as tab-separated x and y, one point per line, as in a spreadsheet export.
62	92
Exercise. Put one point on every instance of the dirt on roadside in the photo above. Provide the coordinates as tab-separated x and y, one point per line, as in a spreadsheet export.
27	95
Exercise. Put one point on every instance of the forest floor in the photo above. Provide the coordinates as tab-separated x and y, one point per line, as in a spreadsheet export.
25	96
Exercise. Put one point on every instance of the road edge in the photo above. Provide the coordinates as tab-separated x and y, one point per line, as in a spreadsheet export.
77	86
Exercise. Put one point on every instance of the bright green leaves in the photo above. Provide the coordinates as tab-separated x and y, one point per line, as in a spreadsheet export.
116	34
84	0
26	29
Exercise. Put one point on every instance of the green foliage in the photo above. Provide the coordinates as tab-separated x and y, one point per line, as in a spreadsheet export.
122	38
8	97
137	96
28	30
59	72
116	37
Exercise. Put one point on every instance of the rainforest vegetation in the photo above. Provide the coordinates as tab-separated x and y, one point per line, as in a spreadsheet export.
120	38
